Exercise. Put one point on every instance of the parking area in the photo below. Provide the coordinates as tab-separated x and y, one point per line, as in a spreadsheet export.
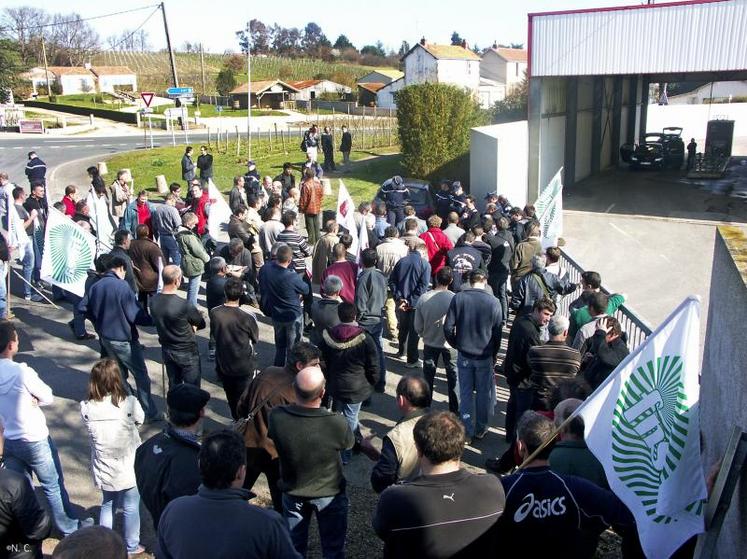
651	233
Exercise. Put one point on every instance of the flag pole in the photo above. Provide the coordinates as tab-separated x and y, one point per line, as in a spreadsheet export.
609	379
8	313
32	286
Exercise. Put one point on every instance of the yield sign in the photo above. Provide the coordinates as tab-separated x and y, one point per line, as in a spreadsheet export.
147	97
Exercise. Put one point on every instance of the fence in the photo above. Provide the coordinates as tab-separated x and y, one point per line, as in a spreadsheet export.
367	133
636	329
344	107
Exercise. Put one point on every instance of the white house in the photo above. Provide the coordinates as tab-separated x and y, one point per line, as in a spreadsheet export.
38	78
74	79
454	64
504	66
719	91
385	95
313	89
110	78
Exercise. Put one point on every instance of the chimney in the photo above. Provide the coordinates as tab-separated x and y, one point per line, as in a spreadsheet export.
422	41
495	44
464	43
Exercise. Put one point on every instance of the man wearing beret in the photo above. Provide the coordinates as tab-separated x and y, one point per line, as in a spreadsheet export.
166	464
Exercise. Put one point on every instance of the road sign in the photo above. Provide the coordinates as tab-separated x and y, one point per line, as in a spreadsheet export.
147	97
180	91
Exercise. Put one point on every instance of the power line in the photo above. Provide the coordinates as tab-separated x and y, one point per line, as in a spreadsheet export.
77	20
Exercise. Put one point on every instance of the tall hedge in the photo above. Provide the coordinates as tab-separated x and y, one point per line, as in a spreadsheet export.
434	121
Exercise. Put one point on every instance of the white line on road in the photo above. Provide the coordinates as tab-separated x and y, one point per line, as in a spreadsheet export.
54	147
609	209
628	235
664	257
73	141
18	147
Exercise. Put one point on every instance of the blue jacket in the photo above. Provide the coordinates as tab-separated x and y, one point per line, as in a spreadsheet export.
36	170
113	308
395	196
279	289
410	278
473	324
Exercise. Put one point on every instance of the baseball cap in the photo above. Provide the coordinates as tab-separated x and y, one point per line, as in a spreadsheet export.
187	398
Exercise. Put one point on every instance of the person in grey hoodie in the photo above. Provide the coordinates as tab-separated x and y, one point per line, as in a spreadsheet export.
370	299
430	313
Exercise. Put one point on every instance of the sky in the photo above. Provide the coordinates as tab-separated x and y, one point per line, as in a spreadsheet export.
480	22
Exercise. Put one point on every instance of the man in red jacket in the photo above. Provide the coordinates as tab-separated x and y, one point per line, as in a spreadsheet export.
437	243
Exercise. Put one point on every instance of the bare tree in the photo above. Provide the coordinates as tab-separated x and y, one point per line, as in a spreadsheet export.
24	25
141	40
73	40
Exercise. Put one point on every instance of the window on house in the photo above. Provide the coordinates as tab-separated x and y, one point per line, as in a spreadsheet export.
517	69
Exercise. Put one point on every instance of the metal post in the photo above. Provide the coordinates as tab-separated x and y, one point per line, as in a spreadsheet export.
173	134
248	93
150	127
202	68
168	46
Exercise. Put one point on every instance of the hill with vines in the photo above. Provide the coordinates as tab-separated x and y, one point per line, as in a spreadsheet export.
154	71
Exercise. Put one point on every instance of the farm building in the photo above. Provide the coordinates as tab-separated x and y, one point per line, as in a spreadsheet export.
309	90
382	75
367	93
109	78
385	96
266	94
454	64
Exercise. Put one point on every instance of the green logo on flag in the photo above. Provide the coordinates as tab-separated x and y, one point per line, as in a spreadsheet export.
70	253
649	430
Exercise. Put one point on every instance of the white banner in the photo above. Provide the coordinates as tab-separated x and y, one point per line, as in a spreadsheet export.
549	208
346	216
220	214
101	220
69	252
643	425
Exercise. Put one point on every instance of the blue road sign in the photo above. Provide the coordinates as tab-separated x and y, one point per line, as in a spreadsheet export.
178	91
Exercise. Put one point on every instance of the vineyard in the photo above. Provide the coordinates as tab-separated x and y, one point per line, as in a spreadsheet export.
154	71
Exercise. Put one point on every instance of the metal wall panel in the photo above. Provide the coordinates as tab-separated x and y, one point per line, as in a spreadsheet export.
690	37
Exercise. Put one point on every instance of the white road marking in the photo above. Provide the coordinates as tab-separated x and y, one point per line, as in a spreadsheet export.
628	235
74	141
18	147
664	257
610	208
105	145
54	147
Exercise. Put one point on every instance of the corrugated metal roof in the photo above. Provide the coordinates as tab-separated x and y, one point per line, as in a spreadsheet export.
661	38
373	87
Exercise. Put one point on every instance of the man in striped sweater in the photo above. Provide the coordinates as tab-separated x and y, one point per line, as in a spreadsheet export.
301	251
552	363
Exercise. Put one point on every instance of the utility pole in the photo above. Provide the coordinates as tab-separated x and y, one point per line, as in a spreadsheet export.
46	69
202	68
248	92
168	45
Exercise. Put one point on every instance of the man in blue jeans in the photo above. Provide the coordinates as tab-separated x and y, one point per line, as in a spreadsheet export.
113	309
308	439
27	254
473	326
279	290
28	446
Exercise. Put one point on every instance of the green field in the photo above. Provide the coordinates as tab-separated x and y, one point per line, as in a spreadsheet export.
154	70
88	100
368	170
207	111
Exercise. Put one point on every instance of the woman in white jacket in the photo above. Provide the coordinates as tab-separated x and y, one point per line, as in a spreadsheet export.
112	418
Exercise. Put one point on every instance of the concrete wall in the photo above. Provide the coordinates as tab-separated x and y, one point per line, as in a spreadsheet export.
694	118
498	161
723	385
464	73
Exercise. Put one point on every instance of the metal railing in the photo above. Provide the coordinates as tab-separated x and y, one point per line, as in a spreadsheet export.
636	328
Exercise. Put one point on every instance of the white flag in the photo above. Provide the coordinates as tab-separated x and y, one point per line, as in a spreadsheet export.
69	252
220	214
362	241
549	208
101	220
643	425
346	215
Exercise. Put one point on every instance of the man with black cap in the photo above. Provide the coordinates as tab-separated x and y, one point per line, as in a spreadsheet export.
166	464
396	197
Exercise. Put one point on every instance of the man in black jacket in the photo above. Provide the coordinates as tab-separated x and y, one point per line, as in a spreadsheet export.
499	269
286	178
166	464
308	440
445	512
23	523
122	239
346	145
524	335
463	260
607	349
537	284
176	322
352	366
473	326
218	521
36	170
328	150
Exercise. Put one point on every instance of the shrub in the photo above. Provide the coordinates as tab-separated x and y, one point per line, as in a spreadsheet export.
434	122
56	87
225	81
235	62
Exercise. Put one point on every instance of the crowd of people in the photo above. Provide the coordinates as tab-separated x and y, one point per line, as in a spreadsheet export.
456	278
